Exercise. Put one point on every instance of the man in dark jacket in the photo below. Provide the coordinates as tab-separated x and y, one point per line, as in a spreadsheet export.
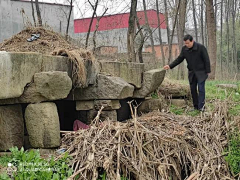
198	65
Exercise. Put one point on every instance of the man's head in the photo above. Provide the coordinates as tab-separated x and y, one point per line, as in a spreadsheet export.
188	41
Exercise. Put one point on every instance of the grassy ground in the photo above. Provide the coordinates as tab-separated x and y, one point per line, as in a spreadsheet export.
214	93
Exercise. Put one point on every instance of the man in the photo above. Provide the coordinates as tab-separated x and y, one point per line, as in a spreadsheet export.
198	65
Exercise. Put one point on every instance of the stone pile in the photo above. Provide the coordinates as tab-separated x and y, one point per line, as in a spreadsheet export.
31	83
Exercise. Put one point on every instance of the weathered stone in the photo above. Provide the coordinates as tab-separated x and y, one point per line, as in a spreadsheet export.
16	70
178	102
47	86
149	105
228	86
84	105
172	88
151	81
130	72
107	104
56	63
108	87
11	127
105	115
42	124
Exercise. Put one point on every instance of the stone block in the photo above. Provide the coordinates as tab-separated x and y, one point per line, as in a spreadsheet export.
11	127
149	105
151	81
108	87
42	124
130	72
178	102
84	105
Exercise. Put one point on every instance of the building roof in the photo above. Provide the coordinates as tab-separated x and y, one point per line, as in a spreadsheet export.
118	21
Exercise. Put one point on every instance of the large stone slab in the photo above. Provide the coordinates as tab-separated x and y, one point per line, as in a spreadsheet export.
107	104
42	124
84	105
151	81
108	87
130	72
174	89
11	127
16	70
149	105
228	86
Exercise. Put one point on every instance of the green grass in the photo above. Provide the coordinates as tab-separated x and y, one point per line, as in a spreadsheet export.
233	157
213	92
31	166
176	110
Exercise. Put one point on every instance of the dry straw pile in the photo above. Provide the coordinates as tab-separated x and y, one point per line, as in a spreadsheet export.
52	43
154	146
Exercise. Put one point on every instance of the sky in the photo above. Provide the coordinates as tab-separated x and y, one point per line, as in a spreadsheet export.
82	8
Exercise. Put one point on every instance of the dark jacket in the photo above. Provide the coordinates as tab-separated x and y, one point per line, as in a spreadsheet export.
198	63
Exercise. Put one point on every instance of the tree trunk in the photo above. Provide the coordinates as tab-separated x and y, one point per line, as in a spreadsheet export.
140	47
160	34
195	20
34	20
227	35
212	41
181	29
149	29
96	28
90	26
131	31
69	17
201	20
171	40
38	13
221	41
167	21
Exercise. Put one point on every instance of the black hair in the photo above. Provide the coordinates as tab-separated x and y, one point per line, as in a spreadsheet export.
188	37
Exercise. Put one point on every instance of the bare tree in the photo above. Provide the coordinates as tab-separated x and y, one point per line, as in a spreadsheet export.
38	13
148	28
69	17
159	33
34	20
171	40
131	31
212	41
167	21
140	47
96	28
202	20
90	26
195	20
181	29
221	36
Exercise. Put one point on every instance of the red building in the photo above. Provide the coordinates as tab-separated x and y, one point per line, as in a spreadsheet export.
118	21
112	30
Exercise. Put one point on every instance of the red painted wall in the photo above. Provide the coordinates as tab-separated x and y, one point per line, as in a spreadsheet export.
117	21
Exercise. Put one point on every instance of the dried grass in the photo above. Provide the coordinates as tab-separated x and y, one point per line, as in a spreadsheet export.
77	57
154	146
52	43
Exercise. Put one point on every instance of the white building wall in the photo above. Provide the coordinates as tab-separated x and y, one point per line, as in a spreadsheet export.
14	15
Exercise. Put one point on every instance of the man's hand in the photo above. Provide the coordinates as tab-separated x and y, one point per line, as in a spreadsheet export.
166	67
